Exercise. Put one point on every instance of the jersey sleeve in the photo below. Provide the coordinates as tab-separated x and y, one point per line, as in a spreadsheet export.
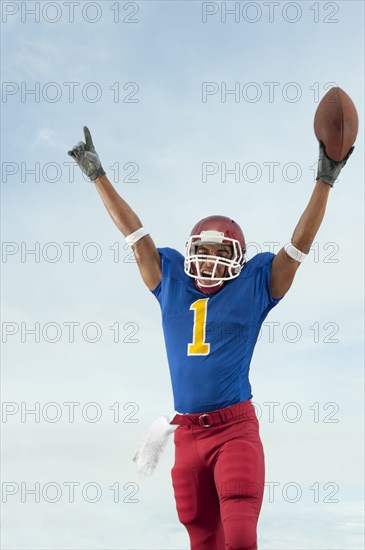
262	264
157	291
172	266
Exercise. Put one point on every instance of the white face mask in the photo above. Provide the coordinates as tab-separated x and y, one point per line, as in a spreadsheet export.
194	261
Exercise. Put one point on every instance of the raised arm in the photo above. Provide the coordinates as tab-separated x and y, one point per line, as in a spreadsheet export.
284	266
146	254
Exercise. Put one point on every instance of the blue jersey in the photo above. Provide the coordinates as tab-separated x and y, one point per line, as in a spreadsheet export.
210	339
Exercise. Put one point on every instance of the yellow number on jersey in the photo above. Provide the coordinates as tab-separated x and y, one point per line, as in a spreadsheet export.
199	346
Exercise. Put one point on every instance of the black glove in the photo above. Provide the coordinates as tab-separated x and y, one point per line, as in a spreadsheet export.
328	169
87	158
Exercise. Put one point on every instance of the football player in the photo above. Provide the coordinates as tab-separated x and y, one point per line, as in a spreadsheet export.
213	303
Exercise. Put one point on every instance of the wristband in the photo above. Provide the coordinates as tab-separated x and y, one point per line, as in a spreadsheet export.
136	236
294	253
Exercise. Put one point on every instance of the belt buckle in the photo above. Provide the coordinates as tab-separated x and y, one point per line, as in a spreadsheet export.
202	422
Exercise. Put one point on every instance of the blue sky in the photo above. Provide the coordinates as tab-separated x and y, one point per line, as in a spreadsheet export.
162	140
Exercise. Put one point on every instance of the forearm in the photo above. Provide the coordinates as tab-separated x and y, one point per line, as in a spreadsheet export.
145	251
123	216
312	217
285	265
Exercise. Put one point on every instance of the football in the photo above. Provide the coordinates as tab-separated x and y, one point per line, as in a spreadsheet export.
336	123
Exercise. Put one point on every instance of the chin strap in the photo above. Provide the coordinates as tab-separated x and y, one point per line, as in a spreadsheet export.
209	289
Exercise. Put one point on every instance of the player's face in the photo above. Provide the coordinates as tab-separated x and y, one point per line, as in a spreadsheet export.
206	267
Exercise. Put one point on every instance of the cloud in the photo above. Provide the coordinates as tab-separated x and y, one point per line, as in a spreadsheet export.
46	136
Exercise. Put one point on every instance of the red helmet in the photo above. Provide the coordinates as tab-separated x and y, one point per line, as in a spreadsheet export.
215	230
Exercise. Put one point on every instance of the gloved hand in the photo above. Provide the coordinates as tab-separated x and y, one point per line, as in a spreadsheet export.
87	158
328	169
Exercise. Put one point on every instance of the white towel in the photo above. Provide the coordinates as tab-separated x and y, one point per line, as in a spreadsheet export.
153	442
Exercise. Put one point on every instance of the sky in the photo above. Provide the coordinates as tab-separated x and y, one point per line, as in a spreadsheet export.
177	95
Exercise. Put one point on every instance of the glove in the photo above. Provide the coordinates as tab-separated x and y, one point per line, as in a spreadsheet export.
86	157
328	169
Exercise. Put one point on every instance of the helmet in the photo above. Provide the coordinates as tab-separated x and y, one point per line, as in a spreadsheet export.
215	230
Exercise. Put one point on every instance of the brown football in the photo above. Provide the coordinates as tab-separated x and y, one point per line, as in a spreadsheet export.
336	123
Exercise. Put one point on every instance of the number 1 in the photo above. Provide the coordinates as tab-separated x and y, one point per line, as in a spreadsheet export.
199	346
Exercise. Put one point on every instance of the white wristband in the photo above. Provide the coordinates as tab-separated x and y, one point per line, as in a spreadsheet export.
136	236
295	253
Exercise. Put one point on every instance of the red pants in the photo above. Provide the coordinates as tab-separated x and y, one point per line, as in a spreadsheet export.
218	477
